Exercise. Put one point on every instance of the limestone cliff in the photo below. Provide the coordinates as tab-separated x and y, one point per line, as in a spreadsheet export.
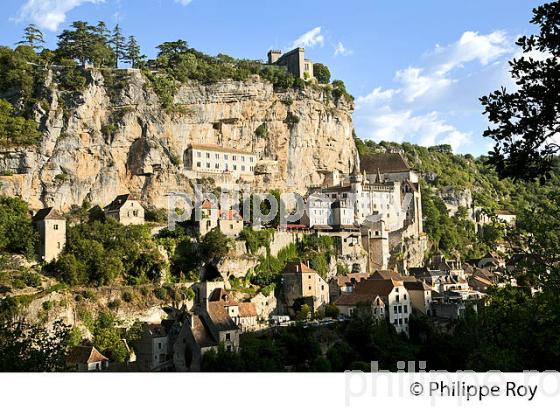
113	138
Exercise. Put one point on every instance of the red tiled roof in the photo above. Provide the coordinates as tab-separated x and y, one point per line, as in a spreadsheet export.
352	299
247	309
298	267
217	148
220	317
350	278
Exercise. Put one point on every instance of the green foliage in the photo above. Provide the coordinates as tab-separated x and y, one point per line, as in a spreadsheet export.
331	310
303	313
158	215
86	44
215	245
161	293
15	129
524	120
256	239
322	73
17	234
108	337
127	296
33	37
339	91
101	251
262	131
29	347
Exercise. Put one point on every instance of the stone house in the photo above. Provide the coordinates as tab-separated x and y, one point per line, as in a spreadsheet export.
300	282
153	349
206	217
86	359
348	303
230	223
344	284
215	159
52	233
395	297
126	209
243	314
294	61
204	330
420	295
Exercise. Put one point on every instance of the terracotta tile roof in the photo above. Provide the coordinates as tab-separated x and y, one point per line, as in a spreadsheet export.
298	267
207	204
379	287
230	215
352	299
247	309
218	148
85	355
386	274
385	163
119	201
47	213
201	333
219	316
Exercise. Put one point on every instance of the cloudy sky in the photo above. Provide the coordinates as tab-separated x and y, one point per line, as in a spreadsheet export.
416	68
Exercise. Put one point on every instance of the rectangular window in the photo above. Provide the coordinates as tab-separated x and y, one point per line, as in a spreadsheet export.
217	156
217	166
198	154
242	167
207	155
55	227
400	309
226	156
405	308
395	309
228	336
198	164
397	299
235	157
207	165
251	159
235	167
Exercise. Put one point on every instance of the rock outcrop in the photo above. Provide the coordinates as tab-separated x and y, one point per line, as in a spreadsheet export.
108	140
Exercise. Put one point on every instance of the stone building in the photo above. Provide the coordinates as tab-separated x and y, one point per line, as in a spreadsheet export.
52	233
294	61
86	359
214	159
126	209
300	282
153	349
204	330
393	294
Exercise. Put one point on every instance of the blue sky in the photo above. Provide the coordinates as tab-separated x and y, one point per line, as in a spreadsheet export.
415	67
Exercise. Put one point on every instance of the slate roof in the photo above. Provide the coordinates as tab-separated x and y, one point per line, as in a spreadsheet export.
119	201
85	355
385	163
416	286
47	213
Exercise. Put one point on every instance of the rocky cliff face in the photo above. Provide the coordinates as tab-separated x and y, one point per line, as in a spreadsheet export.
116	138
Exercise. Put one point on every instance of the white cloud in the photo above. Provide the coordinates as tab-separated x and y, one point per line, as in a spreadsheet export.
340	50
183	2
415	84
310	39
49	14
423	105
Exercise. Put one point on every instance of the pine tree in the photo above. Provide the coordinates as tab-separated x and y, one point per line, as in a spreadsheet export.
132	53
117	41
33	37
84	43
